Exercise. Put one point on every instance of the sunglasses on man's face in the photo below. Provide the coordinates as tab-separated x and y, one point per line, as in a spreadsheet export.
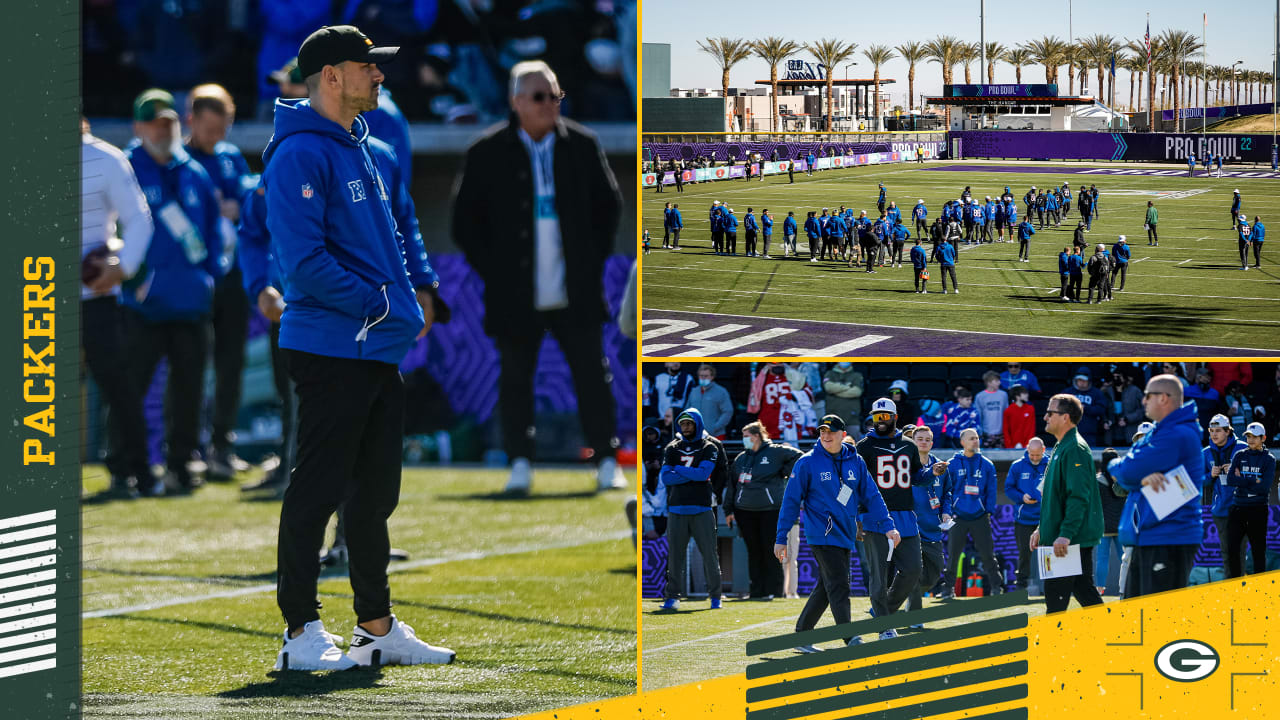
881	417
1051	411
541	97
1146	395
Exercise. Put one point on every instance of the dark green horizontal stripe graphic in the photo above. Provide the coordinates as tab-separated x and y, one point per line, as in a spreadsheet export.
950	705
794	662
867	673
890	693
897	620
1019	713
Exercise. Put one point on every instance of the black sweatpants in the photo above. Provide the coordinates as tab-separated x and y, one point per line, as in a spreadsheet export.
1121	269
751	242
675	238
922	228
184	345
758	528
350	430
1023	535
1059	591
832	589
920	282
1246	521
1024	249
701	528
1157	568
107	355
932	564
230	331
1153	237
288	401
888	593
1073	286
1244	253
1257	253
592	382
944	271
980	530
731	243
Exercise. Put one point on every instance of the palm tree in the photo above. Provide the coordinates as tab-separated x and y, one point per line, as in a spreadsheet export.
727	53
1018	57
1179	45
1139	65
878	55
830	52
944	50
774	50
913	52
1156	51
1049	51
1136	65
995	53
1098	49
968	54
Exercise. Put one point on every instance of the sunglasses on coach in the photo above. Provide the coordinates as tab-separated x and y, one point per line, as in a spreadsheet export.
541	97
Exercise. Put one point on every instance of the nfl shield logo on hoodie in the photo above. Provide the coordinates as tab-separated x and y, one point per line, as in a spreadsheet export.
307	192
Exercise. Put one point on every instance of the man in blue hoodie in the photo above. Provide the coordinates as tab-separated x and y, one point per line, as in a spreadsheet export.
830	482
169	301
971	480
766	229
789	232
1252	472
1164	550
812	233
677	224
1259	236
687	466
1025	231
752	229
1120	263
920	214
1022	487
1216	492
894	461
920	264
946	253
357	300
933	509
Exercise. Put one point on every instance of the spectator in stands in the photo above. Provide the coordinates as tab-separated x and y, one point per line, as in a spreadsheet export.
907	411
1216	492
1096	418
1165	550
672	389
712	400
1019	420
753	497
111	201
1225	372
1015	375
960	417
1237	406
1112	506
530	285
1071	509
687	467
991	403
971	480
1124	395
654	509
171	319
1023	486
1206	398
1252	472
769	391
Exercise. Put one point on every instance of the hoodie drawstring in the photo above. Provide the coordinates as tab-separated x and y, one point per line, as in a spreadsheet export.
367	326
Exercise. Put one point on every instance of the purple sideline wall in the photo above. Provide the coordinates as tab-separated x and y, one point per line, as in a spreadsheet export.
465	362
1071	145
720	151
655	553
1220	111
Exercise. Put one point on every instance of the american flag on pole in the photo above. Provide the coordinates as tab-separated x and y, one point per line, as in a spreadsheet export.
1146	40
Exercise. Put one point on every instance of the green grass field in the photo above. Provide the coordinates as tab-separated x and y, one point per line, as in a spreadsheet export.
1189	290
537	596
697	643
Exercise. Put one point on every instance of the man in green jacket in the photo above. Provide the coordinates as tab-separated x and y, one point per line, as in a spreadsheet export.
1071	508
1153	217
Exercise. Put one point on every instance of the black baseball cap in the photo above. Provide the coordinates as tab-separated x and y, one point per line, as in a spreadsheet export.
334	44
831	422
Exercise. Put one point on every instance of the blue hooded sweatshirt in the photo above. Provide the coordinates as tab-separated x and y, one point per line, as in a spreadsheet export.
946	255
1025	231
766	225
730	223
1120	251
811	227
671	475
677	222
1024	479
749	222
920	212
816	479
789	225
1259	232
971	481
175	282
1252	472
919	258
1217	487
932	502
346	267
1174	441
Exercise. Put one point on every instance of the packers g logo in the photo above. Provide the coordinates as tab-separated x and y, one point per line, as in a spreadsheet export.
1187	660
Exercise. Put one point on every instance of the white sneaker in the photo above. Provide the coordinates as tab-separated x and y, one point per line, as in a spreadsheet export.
521	477
313	649
398	647
609	476
806	649
886	635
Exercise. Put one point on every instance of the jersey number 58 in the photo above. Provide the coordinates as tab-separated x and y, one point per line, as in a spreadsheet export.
893	470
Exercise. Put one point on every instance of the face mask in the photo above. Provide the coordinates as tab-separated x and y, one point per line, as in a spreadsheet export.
844	365
704	381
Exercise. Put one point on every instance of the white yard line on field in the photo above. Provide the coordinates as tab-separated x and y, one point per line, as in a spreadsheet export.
717	635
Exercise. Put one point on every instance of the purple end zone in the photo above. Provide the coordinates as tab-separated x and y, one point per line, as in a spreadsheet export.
1059	170
677	333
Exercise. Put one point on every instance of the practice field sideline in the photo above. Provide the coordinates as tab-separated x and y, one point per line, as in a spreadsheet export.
181	621
1188	292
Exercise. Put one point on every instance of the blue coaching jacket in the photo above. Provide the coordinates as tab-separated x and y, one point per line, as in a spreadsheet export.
789	225
1025	231
919	258
1174	441
230	174
1252	472
971	481
1024	479
1120	251
932	502
347	286
815	483
175	284
946	254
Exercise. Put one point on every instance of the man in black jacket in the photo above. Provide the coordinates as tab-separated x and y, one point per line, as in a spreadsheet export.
535	211
756	483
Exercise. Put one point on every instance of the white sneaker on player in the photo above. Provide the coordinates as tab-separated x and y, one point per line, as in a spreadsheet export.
521	477
312	649
609	476
400	646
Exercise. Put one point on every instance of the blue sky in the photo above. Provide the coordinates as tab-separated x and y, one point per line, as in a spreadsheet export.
1242	33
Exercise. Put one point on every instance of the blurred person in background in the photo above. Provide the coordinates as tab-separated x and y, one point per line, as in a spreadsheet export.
843	386
752	499
1112	506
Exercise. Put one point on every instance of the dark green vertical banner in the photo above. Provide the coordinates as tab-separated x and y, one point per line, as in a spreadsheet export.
39	363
